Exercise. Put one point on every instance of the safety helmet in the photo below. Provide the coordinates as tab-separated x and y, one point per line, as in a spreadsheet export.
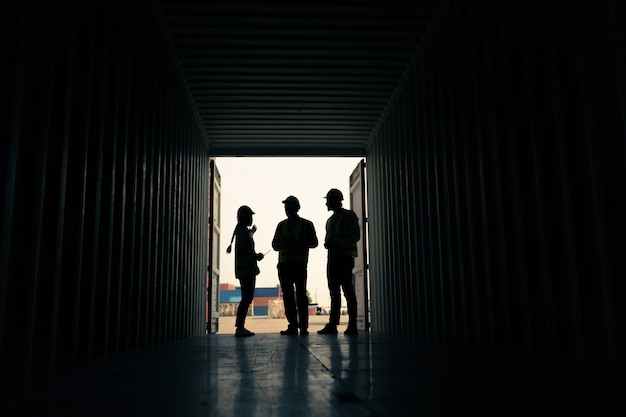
335	194
292	200
244	211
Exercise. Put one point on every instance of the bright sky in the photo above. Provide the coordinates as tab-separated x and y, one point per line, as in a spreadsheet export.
262	184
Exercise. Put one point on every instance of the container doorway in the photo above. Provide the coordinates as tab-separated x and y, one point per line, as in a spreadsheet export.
262	183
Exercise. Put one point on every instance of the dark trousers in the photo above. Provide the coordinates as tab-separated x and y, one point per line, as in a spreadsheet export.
247	294
292	274
339	272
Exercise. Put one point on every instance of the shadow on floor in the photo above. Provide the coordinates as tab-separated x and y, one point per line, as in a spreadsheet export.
316	375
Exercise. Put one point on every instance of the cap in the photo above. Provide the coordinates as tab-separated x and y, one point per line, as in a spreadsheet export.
244	210
292	200
334	193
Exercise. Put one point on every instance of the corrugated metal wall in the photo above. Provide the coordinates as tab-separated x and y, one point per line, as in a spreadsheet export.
496	182
104	198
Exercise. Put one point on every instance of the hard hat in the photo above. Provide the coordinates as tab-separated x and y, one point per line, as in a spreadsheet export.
334	193
292	200
244	210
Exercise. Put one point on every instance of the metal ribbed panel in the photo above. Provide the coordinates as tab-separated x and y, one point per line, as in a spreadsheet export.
495	169
294	78
493	190
109	174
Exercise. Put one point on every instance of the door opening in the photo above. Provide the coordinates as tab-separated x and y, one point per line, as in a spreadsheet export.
263	183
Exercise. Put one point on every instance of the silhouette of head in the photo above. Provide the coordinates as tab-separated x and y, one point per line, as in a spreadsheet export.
334	197
291	200
244	215
292	205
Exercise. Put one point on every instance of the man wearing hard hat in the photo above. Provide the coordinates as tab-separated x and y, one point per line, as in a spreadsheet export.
293	238
342	235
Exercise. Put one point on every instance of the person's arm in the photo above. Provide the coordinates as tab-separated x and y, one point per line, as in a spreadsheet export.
277	242
311	236
354	230
351	225
244	245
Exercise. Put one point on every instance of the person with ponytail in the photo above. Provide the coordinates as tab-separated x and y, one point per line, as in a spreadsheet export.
246	268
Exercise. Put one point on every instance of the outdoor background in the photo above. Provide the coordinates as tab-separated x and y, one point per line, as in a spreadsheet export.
262	184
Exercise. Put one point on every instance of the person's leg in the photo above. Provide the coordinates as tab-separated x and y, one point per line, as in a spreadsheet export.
349	293
247	295
334	287
286	278
302	299
346	267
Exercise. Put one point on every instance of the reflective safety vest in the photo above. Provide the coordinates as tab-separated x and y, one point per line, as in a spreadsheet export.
337	231
246	265
296	234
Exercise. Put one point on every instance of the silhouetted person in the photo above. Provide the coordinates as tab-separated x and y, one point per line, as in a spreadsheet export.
246	268
342	235
293	238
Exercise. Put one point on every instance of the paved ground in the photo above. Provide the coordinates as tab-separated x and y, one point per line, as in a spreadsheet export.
264	324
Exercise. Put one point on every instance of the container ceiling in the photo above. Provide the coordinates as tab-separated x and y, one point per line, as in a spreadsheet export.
294	77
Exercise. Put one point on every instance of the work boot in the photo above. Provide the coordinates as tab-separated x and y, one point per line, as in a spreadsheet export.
328	329
243	332
290	330
351	331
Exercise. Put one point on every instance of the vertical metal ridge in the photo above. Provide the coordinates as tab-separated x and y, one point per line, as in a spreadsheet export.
117	195
503	207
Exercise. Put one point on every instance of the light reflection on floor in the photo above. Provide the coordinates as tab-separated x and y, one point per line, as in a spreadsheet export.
315	375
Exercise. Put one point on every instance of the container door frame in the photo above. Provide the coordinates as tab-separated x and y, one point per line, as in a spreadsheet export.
360	276
213	250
